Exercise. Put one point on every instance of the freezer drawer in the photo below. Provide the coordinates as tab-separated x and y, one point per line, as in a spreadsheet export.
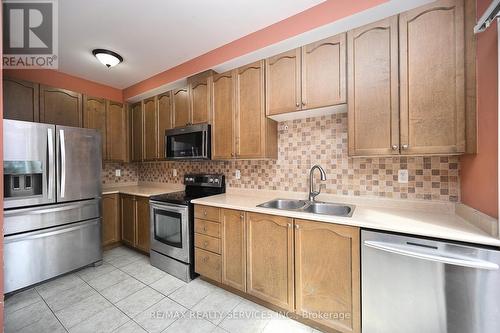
36	256
34	218
416	285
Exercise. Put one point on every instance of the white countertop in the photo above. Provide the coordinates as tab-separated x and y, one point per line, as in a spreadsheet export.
142	189
431	219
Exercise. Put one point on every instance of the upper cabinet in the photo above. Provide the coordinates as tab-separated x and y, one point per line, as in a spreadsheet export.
20	100
164	120
309	77
424	54
431	42
222	88
180	107
373	102
137	131
94	116
150	111
60	107
199	96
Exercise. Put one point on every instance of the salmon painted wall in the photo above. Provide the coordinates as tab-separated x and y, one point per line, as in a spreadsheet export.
479	173
61	80
314	17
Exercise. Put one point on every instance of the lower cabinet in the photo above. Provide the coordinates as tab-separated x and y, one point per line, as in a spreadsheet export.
270	259
327	280
310	268
135	221
110	225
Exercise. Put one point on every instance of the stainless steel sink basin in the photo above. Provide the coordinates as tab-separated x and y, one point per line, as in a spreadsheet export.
316	207
327	208
286	204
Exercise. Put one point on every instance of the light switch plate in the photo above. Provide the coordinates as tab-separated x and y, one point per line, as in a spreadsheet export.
118	172
237	174
403	176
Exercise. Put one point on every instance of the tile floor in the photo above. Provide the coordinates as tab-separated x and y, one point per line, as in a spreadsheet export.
127	294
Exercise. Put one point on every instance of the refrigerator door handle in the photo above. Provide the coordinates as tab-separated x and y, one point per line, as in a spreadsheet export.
50	163
63	162
438	256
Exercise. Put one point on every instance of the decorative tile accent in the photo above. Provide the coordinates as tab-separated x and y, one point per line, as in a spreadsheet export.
129	173
323	140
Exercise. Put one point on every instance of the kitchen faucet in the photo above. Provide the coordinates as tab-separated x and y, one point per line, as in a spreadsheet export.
312	193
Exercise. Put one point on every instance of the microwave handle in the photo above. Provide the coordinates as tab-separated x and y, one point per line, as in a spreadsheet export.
204	144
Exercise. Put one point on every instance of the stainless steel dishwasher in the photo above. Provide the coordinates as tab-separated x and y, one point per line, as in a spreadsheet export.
417	285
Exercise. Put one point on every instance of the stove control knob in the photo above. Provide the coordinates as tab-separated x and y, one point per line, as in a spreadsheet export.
210	180
216	180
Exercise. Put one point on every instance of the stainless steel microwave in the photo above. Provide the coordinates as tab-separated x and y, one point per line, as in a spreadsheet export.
188	143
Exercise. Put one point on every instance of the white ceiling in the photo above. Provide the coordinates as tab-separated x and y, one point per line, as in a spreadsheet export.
155	35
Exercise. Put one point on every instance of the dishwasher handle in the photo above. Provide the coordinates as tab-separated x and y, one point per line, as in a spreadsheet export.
436	256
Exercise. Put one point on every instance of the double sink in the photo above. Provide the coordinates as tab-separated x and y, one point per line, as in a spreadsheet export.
315	207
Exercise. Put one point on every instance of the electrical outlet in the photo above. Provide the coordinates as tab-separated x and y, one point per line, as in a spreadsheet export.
237	174
403	176
174	172
118	172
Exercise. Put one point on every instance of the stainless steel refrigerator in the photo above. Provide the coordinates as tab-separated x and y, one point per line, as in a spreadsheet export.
52	201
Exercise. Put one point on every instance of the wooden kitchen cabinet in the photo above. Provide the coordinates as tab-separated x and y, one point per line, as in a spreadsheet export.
309	77
60	107
283	82
270	271
20	100
207	242
199	97
137	131
431	43
150	144
142	224
116	132
127	209
327	273
164	121
373	102
180	107
323	74
222	88
111	228
255	134
94	116
234	249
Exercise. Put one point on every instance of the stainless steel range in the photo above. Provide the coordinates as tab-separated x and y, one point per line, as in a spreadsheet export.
172	224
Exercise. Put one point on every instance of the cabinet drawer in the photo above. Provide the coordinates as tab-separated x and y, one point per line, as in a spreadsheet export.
207	243
207	228
206	213
207	264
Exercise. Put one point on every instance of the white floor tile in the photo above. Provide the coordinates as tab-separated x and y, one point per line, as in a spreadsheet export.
158	317
139	301
122	289
47	324
56	286
107	280
143	271
92	272
20	300
216	306
286	325
26	316
130	327
69	297
82	310
192	293
247	317
190	324
167	284
105	321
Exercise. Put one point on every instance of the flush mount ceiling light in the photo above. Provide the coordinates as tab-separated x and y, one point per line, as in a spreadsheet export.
107	58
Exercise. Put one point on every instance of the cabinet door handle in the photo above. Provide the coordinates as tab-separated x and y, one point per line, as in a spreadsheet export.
297	227
242	216
395	147
289	225
204	228
297	104
404	146
304	103
205	244
205	212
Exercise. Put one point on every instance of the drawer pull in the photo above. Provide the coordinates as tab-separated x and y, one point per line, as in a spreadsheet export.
205	212
205	259
205	244
205	228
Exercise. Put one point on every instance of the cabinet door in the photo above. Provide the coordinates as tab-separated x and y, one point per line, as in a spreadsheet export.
270	259
94	116
223	114
432	90
127	203
250	120
200	101
234	249
180	107
110	219
150	129
142	224
283	83
164	121
20	100
60	107
116	129
373	98
137	132
324	72
327	277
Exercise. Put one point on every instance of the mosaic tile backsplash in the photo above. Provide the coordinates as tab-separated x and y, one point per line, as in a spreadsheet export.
322	140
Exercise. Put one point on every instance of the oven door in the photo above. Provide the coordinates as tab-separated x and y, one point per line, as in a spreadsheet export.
187	143
170	230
